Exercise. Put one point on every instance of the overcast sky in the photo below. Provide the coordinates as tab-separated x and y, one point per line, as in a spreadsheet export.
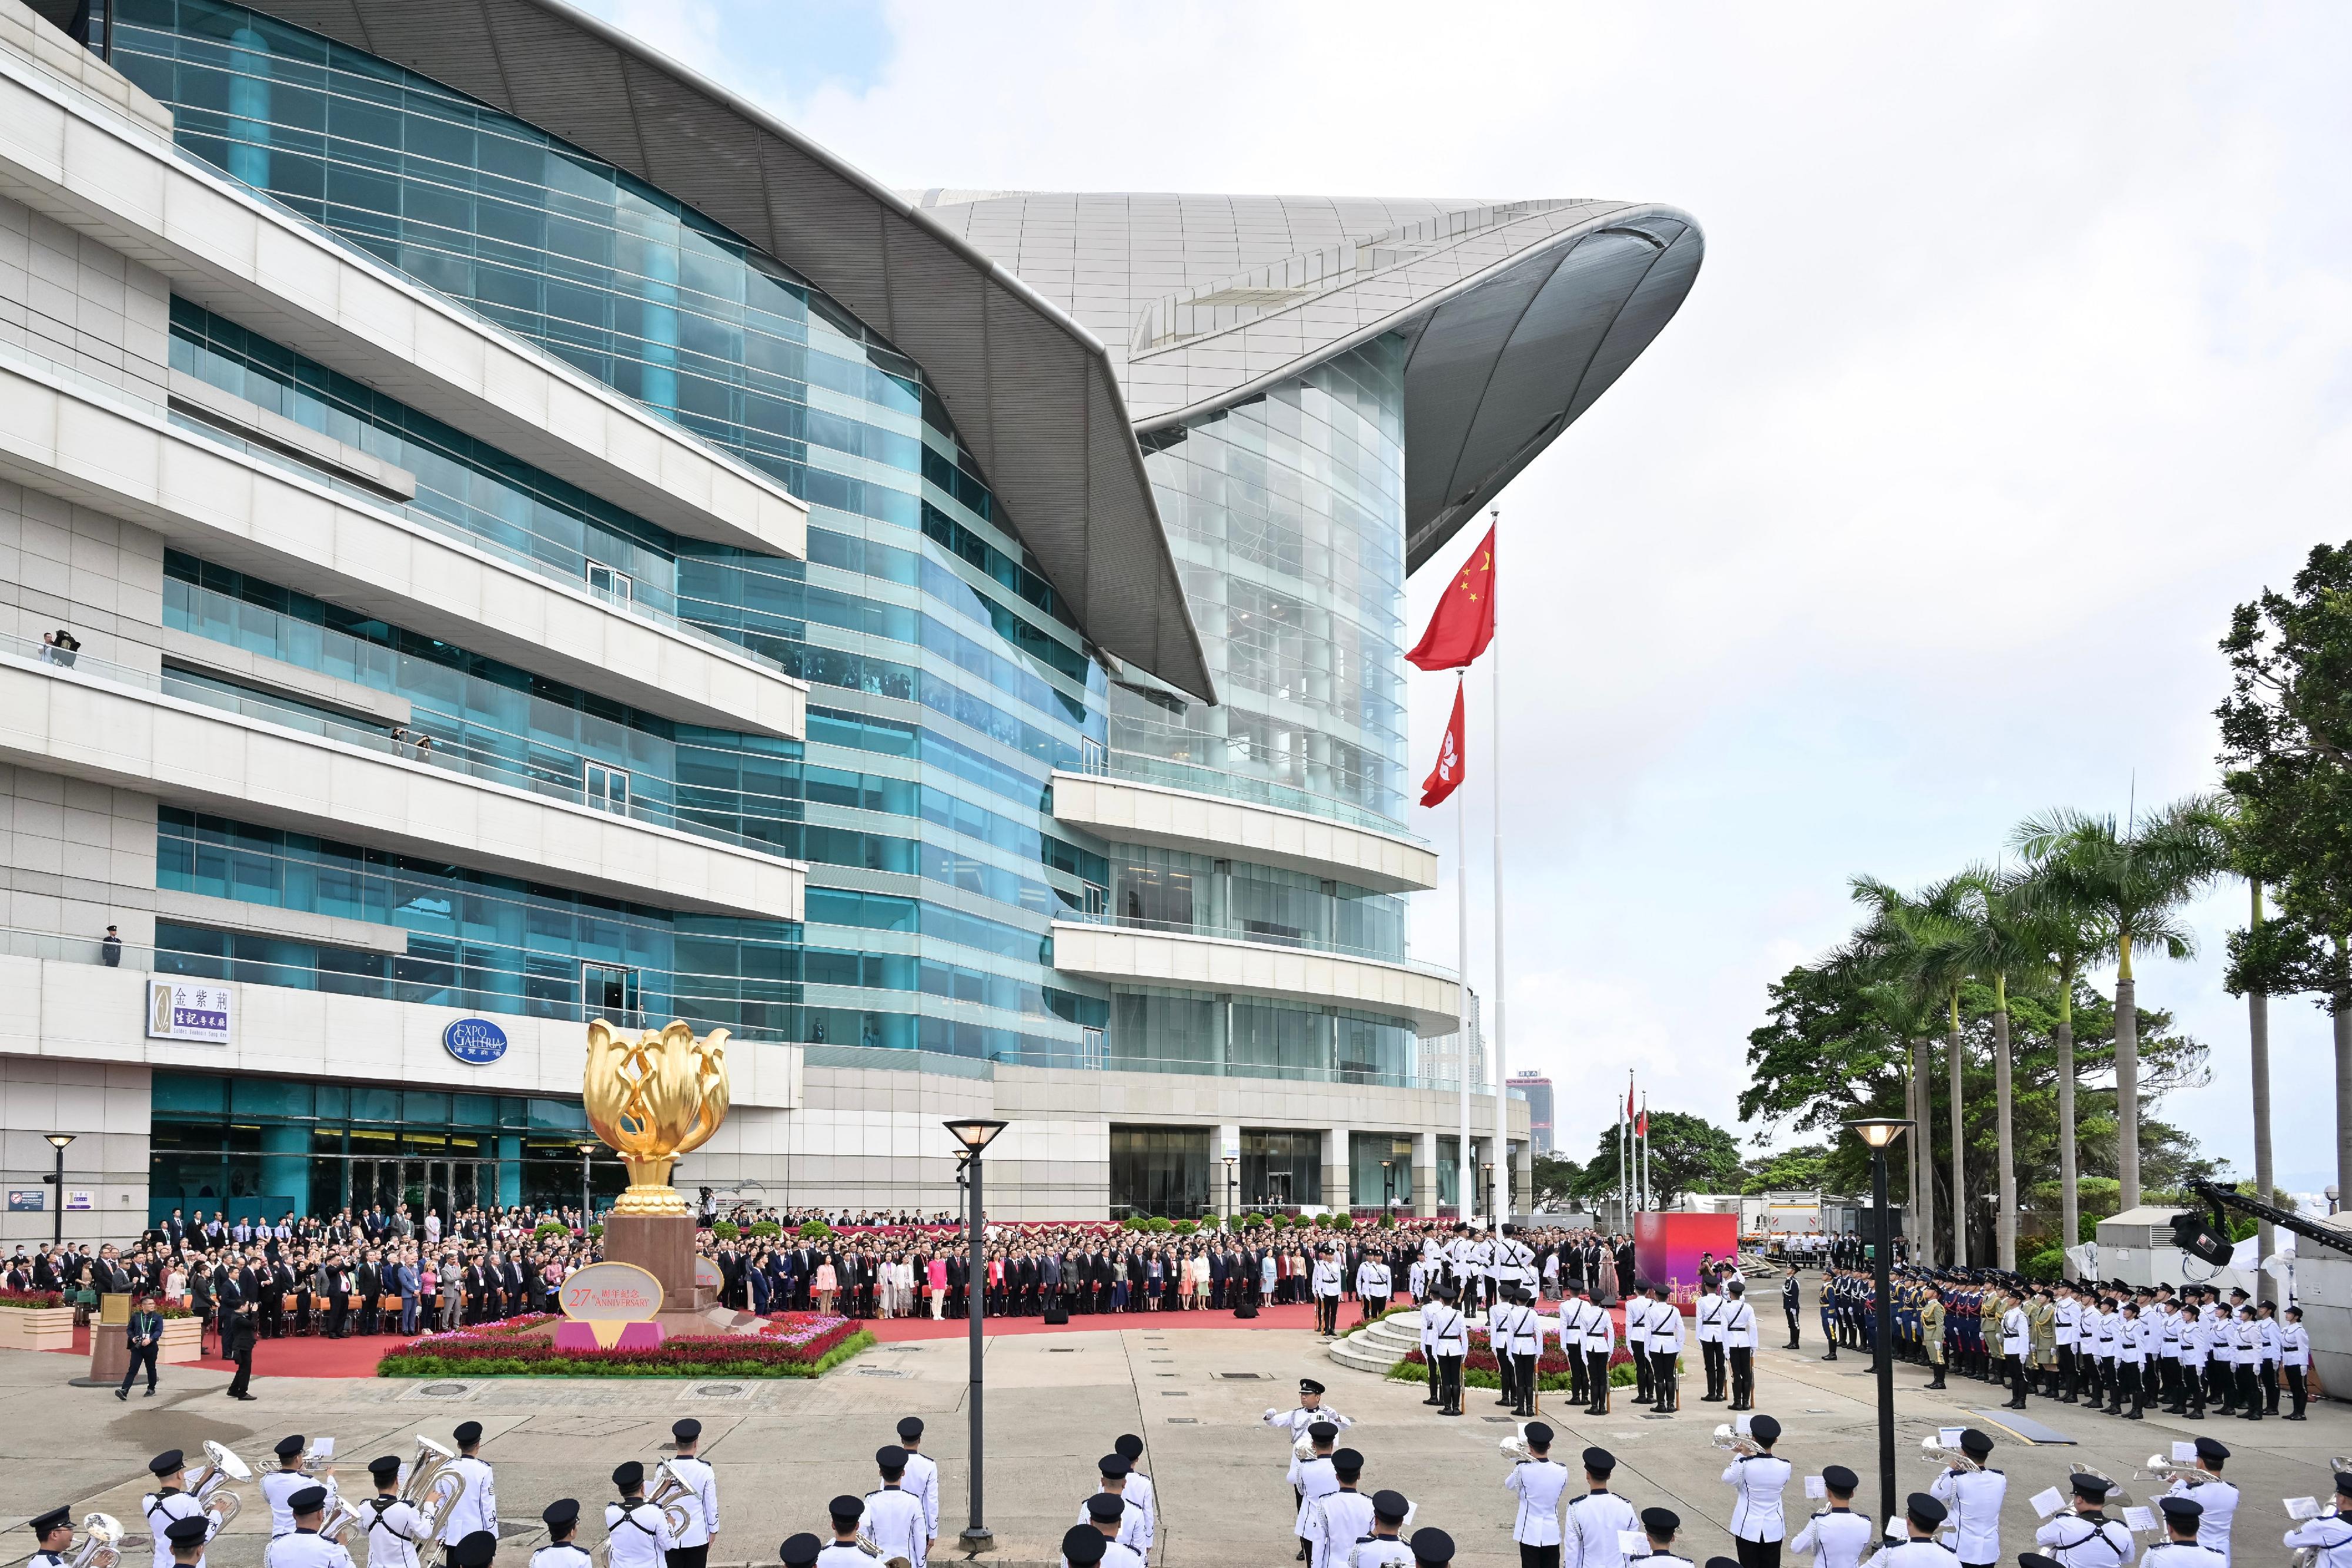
2019	357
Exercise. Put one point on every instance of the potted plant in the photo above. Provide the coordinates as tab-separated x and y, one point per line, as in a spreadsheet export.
35	1320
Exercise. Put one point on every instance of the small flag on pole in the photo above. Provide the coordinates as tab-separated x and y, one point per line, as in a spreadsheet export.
1452	753
1464	622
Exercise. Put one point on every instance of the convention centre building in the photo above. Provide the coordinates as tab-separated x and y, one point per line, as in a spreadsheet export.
497	531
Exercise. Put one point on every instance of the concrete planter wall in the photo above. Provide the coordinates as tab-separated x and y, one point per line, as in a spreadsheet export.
184	1341
36	1328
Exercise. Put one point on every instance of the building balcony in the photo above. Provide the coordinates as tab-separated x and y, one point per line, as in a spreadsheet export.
1166	818
127	730
1430	998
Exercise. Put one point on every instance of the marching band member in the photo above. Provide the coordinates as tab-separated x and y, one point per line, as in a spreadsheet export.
168	1502
1381	1548
1526	1347
303	1546
693	1547
843	1512
637	1533
477	1509
1341	1517
1311	1479
1538	1482
1596	1518
1139	1492
1758	1480
1836	1536
2179	1549
561	1517
1659	1528
2216	1499
52	1537
282	1483
186	1539
1922	1516
1373	1287
1104	1512
2085	1537
1432	1548
923	1477
1974	1498
1132	1530
893	1517
393	1528
2330	1534
1293	1423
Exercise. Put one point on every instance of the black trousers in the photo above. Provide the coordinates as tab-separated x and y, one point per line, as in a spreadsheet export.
1538	1556
688	1556
1326	1314
1662	1378
2297	1387
1372	1307
1792	1328
1711	1354
1757	1554
244	1359
1449	1383
2250	1391
1743	1388
2270	1386
1596	1373
1641	1353
140	1356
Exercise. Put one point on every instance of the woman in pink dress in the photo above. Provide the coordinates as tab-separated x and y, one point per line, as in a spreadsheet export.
828	1282
936	1271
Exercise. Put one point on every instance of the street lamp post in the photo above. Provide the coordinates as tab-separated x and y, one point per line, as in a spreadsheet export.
587	1209
974	1133
59	1140
1880	1132
1486	1170
1387	1183
1232	1199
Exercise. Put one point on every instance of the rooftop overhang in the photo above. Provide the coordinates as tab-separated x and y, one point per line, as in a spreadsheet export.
1031	392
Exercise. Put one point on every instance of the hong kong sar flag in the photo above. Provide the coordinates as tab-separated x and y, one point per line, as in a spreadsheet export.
1452	755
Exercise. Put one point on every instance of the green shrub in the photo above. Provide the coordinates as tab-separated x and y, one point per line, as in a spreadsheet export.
2049	1265
1280	1221
1252	1221
725	1230
1186	1228
766	1227
1160	1225
1388	1219
597	1230
550	1228
816	1231
1343	1222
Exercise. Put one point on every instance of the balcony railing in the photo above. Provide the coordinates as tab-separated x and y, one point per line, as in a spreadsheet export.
1259	935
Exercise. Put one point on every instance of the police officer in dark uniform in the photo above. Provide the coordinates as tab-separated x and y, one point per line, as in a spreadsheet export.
1791	1304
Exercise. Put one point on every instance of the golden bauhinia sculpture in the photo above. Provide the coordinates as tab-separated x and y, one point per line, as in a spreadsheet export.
653	1097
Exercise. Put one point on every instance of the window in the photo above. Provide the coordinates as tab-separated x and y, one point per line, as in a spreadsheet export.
1090	1048
608	788
609	582
610	991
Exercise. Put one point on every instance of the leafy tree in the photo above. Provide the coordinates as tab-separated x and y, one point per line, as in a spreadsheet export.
1687	1154
2004	942
1554	1177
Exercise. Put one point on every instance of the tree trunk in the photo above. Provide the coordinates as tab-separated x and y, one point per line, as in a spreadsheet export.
1959	1150
2005	1221
2341	1016
2258	1042
2126	1085
1922	1150
2070	1218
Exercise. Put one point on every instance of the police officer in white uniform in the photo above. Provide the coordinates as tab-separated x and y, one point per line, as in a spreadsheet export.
1569	1325
1310	1480
1293	1423
1449	1347
393	1528
1739	1339
1666	1348
2016	1345
1597	1517
1836	1536
923	1473
1103	1513
1538	1482
637	1533
1340	1518
1384	1547
561	1550
52	1536
168	1502
1328	1283
303	1546
2216	1499
843	1551
1637	1344
1133	1530
1758	1523
280	1485
2085	1537
1922	1517
1373	1286
1527	1345
1502	1330
477	1509
1974	1498
693	1547
2179	1549
1600	1339
1708	1331
894	1519
2329	1536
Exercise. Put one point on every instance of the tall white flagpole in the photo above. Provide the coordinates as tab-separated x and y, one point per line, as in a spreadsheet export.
1495	722
1649	1194
1466	1196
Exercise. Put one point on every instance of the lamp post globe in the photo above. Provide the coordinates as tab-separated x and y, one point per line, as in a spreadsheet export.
59	1140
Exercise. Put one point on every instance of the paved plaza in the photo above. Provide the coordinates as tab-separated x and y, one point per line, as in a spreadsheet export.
1054	1404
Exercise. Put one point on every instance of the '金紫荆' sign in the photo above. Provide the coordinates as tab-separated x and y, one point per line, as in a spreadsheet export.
475	1040
181	1009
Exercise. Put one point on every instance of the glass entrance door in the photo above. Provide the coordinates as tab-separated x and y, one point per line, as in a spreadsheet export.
609	991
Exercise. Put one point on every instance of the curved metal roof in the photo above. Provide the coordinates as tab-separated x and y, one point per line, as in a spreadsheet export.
1031	392
1520	313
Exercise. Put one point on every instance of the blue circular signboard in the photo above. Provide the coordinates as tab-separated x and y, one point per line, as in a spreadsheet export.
475	1040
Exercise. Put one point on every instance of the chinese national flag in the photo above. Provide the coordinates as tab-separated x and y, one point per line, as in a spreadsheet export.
1642	1127
1446	777
1465	621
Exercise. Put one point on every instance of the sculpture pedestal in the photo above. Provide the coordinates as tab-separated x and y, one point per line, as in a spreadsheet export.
663	1245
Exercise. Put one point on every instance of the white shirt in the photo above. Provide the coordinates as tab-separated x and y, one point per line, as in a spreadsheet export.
1293	1424
1327	1278
2219	1501
2294	1345
1528	1333
1756	1481
2077	1541
1449	1336
1600	1333
562	1554
393	1531
1710	1319
1140	1499
1133	1530
636	1535
894	1522
304	1549
2331	1534
1915	1553
1537	1484
2016	1335
1836	1537
702	1509
1379	1552
1593	1520
161	1509
1975	1497
1372	1278
1740	1327
1637	1322
277	1486
2182	1554
478	1508
1665	1329
2065	1321
1341	1521
1315	1480
837	1555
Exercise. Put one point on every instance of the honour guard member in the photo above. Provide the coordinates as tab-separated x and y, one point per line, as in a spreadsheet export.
1526	1349
1665	1349
2066	1334
1708	1331
923	1476
2016	1350
1572	1312
2294	1360
1329	1283
185	1540
893	1517
1373	1287
2085	1537
168	1502
1974	1498
1449	1346
1293	1423
1600	1339
2179	1549
1931	1332
1432	1549
303	1546
2216	1499
561	1517
1757	1480
2329	1536
693	1547
1138	1492
1538	1482
393	1528
1637	1344
476	1551
1104	1512
843	1512
1596	1518
1341	1517
1132	1530
1381	1548
1922	1516
1739	1341
477	1509
282	1483
1310	1478
1791	1303
1502	1327
52	1536
1836	1536
637	1533
1659	1528
1082	1546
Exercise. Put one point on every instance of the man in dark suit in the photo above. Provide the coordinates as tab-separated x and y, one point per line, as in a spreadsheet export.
368	1279
145	1339
238	1336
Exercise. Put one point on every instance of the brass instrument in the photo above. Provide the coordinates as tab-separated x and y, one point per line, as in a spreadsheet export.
315	1463
210	1487
1515	1446
102	1544
664	1494
1932	1449
340	1518
2160	1469
2116	1496
873	1549
1734	1442
431	1490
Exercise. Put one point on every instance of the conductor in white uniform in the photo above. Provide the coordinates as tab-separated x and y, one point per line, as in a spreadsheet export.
1537	1481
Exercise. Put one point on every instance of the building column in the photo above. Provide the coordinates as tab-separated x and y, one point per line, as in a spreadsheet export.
1338	1152
1523	1175
1424	1175
285	1171
1229	1187
509	1171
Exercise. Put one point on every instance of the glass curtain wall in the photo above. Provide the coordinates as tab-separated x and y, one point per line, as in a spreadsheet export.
1160	1171
1158	1030
1380	1168
1175	890
1281	1169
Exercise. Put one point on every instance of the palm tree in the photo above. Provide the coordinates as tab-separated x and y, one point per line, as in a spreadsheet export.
2003	943
2136	879
1911	943
2070	934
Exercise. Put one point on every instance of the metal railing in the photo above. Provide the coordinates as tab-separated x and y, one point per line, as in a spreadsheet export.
1199	779
1303	942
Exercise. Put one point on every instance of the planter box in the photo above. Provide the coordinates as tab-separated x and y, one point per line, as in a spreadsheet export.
36	1328
184	1341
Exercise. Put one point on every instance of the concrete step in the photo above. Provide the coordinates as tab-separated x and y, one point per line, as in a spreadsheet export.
1390	1335
1359	1354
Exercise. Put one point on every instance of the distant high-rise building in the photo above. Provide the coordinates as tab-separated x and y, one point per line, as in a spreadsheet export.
1537	1092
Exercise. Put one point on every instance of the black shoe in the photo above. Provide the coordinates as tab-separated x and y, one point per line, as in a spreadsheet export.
149	1395
1832	1356
2296	1417
123	1393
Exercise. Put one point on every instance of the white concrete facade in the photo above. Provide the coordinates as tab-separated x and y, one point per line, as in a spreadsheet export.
1218	965
1134	813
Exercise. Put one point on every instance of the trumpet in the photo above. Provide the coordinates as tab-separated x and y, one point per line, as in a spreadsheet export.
1932	1449
102	1544
210	1487
2116	1494
663	1495
429	1474
1734	1442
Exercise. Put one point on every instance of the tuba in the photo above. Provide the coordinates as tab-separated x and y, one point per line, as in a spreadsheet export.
873	1549
340	1518
665	1493
102	1544
429	1475
210	1487
2116	1494
1515	1446
1932	1449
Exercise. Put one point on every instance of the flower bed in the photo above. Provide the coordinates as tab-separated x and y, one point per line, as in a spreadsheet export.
791	1345
32	1299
